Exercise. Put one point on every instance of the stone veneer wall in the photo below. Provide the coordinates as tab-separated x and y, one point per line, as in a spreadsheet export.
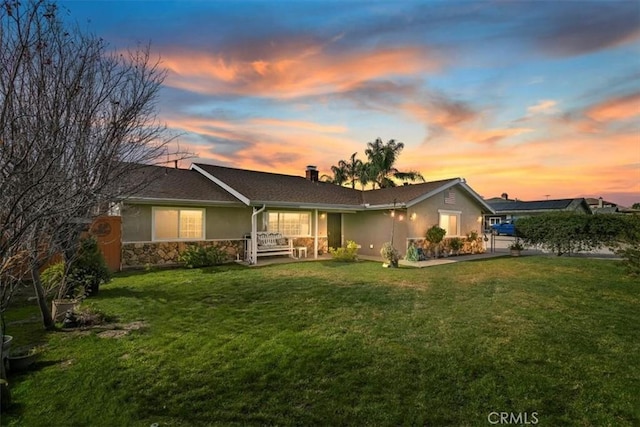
468	246
166	253
323	244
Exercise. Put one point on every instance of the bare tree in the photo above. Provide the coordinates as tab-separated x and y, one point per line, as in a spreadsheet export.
77	122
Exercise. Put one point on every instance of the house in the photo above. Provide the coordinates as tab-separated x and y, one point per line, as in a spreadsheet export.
220	206
507	209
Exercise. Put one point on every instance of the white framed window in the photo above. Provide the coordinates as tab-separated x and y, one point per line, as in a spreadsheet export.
178	223
289	223
450	222
495	220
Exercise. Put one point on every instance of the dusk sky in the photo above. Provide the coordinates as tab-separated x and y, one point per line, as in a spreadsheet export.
535	99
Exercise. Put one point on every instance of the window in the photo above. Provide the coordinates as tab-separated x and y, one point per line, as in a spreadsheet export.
290	223
178	224
450	221
495	220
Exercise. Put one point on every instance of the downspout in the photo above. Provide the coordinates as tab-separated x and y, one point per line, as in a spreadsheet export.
253	259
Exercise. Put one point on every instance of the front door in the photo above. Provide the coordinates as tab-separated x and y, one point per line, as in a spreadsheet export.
334	230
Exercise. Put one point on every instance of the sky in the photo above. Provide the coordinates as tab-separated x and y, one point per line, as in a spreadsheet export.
534	99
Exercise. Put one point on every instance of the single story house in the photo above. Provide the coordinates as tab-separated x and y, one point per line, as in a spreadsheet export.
220	206
506	209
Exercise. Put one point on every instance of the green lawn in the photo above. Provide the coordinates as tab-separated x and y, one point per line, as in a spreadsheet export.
324	343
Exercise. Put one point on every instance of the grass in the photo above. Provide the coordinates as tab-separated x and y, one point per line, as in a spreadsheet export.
324	343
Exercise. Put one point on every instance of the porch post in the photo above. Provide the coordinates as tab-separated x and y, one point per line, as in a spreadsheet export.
253	259
315	236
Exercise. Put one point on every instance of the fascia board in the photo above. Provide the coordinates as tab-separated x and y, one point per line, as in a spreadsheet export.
298	205
244	199
158	200
477	197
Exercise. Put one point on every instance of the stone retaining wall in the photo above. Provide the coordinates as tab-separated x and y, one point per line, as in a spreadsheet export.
308	242
166	253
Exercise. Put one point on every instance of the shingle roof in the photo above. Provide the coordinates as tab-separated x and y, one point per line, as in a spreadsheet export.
403	194
286	189
178	184
535	205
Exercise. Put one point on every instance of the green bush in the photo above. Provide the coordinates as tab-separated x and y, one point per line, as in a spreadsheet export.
390	254
197	256
412	253
349	253
568	232
435	234
51	277
88	270
456	244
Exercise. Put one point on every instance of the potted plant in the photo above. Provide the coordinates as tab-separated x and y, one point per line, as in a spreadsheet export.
456	244
21	358
412	253
516	248
390	255
434	236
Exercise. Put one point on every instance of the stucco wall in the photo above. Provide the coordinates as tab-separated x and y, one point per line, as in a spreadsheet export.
227	223
371	229
427	213
220	222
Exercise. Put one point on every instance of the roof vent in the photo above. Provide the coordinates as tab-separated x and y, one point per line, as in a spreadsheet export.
312	173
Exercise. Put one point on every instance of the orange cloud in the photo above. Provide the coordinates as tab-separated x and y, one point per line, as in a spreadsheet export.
305	71
616	109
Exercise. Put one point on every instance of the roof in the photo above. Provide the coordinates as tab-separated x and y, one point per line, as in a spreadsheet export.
538	205
406	193
266	187
224	185
592	201
177	184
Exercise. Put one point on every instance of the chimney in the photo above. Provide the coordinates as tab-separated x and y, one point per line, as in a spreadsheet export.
312	173
600	202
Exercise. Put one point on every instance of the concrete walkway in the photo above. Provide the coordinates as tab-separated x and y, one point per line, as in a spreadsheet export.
441	261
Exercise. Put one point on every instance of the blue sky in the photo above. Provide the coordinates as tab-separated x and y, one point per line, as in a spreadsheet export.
529	98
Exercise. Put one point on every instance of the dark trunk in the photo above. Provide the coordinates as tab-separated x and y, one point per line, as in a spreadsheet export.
47	319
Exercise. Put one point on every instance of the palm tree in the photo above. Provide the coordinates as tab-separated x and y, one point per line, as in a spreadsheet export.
352	169
339	175
382	158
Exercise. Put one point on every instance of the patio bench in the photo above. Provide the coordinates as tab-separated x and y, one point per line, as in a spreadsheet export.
273	244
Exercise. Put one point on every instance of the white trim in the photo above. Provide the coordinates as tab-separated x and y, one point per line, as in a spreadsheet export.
131	242
228	188
477	197
315	236
172	202
178	208
458	214
434	192
279	211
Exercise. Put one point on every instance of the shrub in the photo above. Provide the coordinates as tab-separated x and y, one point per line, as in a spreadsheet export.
84	276
52	277
88	270
390	254
456	244
435	234
197	256
412	253
349	253
629	244
567	232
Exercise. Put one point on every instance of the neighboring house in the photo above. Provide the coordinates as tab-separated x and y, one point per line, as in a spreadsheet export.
220	206
508	210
